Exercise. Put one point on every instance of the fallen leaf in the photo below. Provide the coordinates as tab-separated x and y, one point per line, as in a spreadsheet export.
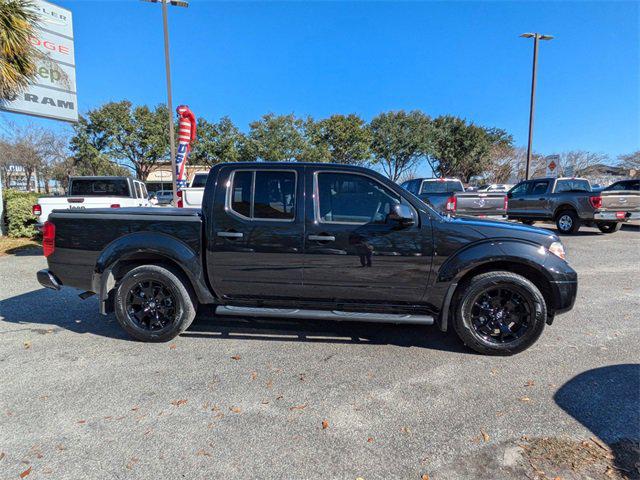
172	346
405	430
133	409
485	436
177	403
529	383
1	455
525	399
25	473
325	424
560	478
235	409
269	383
236	357
254	375
61	447
425	477
203	453
279	397
370	440
132	462
82	421
298	407
265	402
27	346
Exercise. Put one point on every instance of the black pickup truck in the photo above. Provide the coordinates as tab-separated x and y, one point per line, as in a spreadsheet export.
315	242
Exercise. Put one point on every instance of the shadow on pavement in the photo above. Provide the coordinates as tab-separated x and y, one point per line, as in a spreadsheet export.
65	310
607	401
207	325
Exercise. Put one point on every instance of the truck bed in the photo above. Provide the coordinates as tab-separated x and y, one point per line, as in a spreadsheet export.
83	235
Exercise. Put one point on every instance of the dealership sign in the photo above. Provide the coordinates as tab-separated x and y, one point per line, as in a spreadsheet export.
53	91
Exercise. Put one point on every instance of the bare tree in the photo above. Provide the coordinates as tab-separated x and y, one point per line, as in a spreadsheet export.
579	162
631	161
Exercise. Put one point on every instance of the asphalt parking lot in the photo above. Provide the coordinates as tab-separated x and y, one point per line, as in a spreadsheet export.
269	399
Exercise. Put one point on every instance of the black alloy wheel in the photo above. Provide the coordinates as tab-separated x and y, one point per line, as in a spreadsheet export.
501	314
151	305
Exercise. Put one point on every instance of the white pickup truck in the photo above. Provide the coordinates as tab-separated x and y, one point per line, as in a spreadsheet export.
94	192
191	197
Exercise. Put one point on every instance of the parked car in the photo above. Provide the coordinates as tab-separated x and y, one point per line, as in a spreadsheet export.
447	196
312	241
570	203
495	187
164	197
191	197
94	192
624	185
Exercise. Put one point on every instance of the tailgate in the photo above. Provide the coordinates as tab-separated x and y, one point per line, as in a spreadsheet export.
620	201
192	197
480	203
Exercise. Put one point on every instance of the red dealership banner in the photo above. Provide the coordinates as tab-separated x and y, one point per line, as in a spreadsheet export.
186	135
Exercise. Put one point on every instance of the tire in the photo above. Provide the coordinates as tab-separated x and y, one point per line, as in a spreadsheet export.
176	303
567	222
468	323
528	222
609	227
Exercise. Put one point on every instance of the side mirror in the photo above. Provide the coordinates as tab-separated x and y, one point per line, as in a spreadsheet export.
509	195
402	215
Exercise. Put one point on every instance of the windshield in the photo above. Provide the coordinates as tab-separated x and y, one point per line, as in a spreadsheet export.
444	186
200	180
108	187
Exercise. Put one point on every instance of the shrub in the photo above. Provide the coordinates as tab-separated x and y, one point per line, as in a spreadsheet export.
17	209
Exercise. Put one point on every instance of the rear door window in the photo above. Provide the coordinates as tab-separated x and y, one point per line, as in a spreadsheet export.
263	194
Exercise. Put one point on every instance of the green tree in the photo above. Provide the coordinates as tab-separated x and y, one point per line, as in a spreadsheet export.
135	136
18	20
277	138
462	149
217	143
341	139
400	140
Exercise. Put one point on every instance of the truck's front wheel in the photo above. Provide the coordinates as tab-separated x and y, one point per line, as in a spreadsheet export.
499	313
153	304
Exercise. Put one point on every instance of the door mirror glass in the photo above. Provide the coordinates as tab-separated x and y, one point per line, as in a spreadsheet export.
401	215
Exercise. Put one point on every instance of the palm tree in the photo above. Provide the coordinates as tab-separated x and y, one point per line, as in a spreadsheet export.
18	19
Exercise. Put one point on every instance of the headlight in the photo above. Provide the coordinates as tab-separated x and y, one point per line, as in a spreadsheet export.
557	249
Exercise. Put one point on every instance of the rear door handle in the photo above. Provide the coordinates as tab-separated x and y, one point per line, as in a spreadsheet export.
230	234
322	238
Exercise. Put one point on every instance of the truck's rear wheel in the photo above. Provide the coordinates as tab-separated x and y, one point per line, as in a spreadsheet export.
609	227
153	304
567	222
499	313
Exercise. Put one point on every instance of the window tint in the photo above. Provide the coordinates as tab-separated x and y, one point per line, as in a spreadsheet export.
573	186
539	188
241	193
520	189
275	195
444	186
200	180
107	188
624	185
273	198
348	198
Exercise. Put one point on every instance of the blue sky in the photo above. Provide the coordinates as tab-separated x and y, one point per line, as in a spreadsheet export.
244	59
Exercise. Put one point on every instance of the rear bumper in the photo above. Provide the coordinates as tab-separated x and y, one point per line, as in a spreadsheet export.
564	293
612	216
48	280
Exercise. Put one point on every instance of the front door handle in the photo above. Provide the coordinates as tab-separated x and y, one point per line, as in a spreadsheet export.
322	238
230	234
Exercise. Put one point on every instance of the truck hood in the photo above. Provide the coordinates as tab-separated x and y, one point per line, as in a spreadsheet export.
498	229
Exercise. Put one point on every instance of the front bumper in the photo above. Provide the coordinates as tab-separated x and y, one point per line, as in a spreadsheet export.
613	216
564	295
48	280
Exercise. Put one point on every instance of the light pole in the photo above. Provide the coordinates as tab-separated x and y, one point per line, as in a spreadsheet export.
536	37
167	64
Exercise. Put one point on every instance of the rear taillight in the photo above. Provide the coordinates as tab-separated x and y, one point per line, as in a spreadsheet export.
48	238
506	203
36	210
180	200
596	201
115	205
451	204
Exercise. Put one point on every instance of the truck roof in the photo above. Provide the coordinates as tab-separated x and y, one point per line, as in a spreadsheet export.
101	177
558	178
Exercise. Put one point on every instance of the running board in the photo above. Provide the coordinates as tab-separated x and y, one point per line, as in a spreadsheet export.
298	313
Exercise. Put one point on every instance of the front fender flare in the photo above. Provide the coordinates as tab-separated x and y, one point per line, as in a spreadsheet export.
129	246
